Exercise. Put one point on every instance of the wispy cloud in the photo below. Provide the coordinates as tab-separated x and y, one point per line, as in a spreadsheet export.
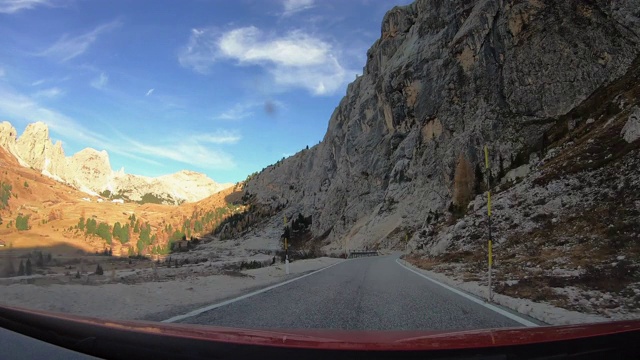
100	82
2	72
18	106
191	153
237	112
191	149
295	59
218	137
69	47
194	149
49	93
13	6
149	92
293	6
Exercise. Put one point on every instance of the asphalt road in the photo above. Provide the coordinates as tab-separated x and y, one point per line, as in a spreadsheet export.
374	293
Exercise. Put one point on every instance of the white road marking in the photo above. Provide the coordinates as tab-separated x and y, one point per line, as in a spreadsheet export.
227	302
502	312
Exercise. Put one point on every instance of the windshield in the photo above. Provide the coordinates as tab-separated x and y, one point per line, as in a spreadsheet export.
304	164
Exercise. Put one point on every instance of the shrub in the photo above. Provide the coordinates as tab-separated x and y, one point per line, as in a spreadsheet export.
27	268
99	270
5	195
104	232
22	222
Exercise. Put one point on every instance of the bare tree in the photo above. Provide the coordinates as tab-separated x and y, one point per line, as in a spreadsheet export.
463	183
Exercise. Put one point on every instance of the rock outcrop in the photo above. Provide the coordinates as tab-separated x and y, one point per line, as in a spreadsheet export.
90	171
445	79
8	135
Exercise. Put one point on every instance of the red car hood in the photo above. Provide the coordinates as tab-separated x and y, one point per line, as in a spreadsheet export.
71	330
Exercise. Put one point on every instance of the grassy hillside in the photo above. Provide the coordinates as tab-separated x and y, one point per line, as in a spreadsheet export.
39	213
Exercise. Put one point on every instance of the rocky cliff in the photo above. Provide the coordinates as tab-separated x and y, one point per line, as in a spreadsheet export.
90	171
446	78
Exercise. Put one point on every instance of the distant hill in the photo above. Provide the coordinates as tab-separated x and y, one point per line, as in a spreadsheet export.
40	213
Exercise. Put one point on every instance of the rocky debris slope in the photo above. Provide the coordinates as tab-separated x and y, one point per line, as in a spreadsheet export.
568	233
444	79
90	171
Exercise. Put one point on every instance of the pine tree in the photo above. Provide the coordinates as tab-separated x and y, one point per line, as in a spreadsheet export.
21	269
479	180
99	270
463	184
117	229
501	171
40	260
27	268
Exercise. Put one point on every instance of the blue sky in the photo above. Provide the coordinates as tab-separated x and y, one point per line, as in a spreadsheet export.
220	87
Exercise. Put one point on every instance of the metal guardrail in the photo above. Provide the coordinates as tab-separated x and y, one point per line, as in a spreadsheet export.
362	253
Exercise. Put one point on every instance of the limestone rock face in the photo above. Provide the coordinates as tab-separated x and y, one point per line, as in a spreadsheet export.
90	171
444	79
89	168
8	135
631	130
34	145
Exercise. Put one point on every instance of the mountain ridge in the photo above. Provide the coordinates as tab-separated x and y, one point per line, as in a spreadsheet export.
443	80
89	170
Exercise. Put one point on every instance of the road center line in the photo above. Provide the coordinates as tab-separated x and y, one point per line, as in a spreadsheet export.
474	299
230	301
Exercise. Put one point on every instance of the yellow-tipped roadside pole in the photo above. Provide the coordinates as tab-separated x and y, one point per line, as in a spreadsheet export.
286	249
490	250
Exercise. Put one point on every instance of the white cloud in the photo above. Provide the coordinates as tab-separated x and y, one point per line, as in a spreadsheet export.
293	6
191	149
100	82
295	59
149	92
67	48
249	45
49	93
12	6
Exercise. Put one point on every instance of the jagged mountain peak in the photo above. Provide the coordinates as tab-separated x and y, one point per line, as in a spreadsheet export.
89	170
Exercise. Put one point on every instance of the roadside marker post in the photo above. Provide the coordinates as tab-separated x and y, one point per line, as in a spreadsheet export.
489	245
